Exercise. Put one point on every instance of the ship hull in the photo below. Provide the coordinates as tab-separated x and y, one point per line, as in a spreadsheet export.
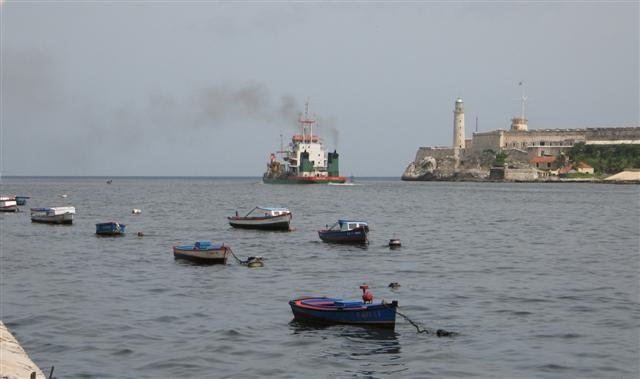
304	179
280	222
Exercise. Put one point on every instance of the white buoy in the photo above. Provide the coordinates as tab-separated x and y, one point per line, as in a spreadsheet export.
136	211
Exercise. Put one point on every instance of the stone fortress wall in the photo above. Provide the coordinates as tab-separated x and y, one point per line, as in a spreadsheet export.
607	136
498	140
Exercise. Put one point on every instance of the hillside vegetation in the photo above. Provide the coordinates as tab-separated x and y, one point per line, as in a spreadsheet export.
608	159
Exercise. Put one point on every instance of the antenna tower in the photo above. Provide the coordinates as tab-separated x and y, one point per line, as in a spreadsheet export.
523	99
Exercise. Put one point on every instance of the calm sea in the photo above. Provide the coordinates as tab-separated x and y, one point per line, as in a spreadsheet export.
540	280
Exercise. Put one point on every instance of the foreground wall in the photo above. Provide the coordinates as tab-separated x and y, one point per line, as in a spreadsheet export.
14	361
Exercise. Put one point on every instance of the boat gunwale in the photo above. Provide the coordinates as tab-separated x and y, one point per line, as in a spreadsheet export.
193	248
257	218
365	307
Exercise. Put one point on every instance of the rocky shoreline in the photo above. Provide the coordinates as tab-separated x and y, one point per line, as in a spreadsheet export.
477	168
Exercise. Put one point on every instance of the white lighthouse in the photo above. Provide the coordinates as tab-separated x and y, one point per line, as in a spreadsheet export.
458	125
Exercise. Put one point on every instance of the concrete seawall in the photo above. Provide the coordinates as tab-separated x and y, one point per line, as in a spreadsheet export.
14	361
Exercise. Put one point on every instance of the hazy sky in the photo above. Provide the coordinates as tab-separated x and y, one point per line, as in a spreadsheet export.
206	88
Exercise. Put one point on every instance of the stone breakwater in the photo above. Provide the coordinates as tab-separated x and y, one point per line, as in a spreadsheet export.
14	361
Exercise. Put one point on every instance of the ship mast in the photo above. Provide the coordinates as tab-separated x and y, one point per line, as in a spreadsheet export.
306	123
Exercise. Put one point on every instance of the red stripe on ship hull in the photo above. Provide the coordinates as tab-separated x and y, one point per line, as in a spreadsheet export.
318	178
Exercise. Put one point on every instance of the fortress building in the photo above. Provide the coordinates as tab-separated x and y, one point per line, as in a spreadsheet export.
466	159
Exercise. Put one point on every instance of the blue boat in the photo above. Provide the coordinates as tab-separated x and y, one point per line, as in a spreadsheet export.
22	200
110	229
346	231
326	310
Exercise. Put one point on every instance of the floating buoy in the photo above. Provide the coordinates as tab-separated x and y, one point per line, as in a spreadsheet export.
64	195
394	243
254	262
136	211
140	234
394	285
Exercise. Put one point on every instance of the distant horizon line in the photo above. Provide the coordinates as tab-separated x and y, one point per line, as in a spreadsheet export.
168	176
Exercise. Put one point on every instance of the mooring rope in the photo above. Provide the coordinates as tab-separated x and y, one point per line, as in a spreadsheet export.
237	259
438	332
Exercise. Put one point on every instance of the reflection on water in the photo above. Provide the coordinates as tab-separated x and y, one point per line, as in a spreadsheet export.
360	340
374	351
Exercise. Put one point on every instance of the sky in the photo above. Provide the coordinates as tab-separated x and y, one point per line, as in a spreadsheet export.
206	88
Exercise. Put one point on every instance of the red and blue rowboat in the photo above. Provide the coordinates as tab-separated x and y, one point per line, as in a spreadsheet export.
337	311
326	310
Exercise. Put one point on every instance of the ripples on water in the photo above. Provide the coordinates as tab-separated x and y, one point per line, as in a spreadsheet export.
541	280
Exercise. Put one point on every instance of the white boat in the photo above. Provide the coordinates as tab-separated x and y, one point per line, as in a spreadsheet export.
53	215
8	204
263	218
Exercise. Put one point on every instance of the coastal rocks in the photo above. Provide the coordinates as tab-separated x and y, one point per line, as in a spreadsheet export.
445	165
415	171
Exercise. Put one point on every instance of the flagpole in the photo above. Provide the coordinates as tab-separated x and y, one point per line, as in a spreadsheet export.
524	98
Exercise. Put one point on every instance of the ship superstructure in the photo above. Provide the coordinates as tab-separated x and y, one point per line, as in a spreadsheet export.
305	161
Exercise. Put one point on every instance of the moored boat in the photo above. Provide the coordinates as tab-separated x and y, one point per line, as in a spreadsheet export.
202	252
326	310
53	215
263	218
110	229
22	200
346	231
8	204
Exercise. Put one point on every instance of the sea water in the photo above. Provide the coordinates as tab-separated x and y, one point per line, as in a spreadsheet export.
539	280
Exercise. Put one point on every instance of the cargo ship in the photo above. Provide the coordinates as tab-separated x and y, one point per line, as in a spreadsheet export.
305	161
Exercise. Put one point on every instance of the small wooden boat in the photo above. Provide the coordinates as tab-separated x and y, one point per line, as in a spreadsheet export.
22	200
202	252
53	215
8	204
326	310
346	231
110	229
263	218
